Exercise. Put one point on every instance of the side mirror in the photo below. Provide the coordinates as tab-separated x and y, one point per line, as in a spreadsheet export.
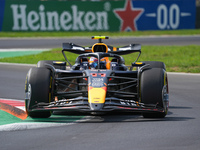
59	63
138	64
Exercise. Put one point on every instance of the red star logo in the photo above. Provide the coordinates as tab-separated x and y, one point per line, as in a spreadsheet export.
128	16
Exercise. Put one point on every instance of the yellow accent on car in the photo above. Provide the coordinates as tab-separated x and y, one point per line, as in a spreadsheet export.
108	65
114	49
99	37
50	82
165	82
99	44
96	95
139	63
49	97
58	62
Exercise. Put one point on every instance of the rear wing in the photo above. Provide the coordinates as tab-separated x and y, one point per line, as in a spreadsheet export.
73	48
100	47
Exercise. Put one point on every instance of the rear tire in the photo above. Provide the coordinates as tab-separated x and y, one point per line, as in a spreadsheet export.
50	62
38	90
154	90
155	64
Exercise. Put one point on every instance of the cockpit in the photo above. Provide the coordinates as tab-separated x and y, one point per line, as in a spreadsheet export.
100	55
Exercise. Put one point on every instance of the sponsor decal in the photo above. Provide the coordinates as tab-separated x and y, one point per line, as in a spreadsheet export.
44	20
166	15
2	4
97	95
97	82
128	16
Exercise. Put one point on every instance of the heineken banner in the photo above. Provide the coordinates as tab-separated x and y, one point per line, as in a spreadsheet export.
126	15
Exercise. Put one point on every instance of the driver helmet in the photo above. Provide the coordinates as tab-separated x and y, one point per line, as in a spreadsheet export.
93	62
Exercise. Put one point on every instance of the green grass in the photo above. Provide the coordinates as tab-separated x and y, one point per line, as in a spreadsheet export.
176	58
7	118
114	34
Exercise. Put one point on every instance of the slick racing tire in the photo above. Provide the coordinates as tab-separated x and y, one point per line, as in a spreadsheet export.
155	64
43	63
38	90
154	90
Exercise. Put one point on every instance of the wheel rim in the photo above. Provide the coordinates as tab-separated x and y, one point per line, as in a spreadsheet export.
165	94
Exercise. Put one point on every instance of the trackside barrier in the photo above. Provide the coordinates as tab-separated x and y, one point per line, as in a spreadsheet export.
198	17
124	15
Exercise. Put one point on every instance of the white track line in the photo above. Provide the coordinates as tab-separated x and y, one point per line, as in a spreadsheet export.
12	99
182	73
19	107
17	64
23	49
37	125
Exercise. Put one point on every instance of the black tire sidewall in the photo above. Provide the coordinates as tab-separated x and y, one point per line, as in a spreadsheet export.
39	80
155	64
152	82
151	90
43	63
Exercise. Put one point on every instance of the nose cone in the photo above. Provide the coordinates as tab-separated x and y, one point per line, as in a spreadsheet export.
96	97
96	106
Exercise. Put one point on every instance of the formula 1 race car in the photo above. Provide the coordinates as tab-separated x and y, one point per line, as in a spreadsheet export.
98	82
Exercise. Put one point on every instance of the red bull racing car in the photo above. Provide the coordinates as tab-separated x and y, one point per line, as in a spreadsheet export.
98	82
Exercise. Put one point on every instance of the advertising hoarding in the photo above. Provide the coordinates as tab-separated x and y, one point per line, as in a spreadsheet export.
23	15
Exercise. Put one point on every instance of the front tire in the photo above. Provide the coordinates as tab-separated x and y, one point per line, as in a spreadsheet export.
38	90
154	90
